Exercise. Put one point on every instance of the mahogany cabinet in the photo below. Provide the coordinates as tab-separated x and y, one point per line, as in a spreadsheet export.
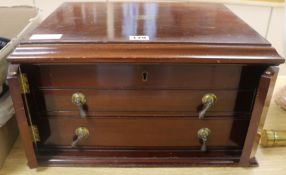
142	84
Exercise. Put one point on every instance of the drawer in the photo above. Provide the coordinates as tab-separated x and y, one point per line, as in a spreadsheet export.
130	76
144	132
148	102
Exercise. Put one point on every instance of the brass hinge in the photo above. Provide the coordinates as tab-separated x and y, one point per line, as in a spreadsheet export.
35	133
24	83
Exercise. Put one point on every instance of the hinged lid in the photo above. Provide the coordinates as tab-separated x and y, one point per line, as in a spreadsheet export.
113	22
144	32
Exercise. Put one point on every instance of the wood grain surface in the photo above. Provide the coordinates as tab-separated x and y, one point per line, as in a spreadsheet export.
147	101
146	132
271	160
131	76
102	22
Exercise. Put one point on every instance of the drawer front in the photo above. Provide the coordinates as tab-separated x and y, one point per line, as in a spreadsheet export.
145	132
128	76
134	102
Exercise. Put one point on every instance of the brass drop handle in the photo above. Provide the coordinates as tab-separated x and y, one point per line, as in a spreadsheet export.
208	101
79	100
203	135
81	133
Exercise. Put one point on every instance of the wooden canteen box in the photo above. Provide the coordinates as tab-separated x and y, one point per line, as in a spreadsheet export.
141	84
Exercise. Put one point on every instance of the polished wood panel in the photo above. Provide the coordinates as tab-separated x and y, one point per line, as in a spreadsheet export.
147	100
163	22
131	76
141	132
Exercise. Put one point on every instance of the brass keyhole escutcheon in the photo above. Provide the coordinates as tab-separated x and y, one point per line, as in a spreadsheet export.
81	133
203	135
79	100
145	76
208	101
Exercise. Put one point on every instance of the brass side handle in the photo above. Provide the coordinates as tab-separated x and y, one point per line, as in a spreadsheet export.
81	133
208	101
203	135
79	100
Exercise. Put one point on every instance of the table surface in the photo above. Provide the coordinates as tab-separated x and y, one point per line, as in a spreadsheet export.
271	160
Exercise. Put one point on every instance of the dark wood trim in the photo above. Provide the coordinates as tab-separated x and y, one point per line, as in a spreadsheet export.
149	158
263	96
138	162
272	78
21	117
144	53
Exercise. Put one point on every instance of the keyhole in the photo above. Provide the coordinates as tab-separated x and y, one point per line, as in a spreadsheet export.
145	76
